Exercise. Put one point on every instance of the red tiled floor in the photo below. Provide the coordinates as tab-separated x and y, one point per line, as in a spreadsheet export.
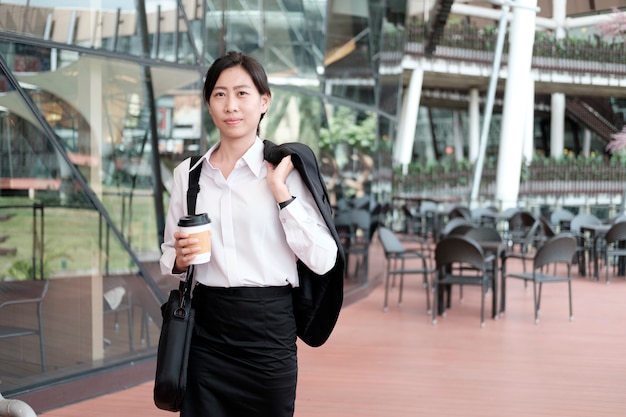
398	364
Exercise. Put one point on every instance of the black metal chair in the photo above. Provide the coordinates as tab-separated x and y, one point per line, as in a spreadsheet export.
460	261
422	221
561	219
519	225
460	211
484	233
523	246
584	245
353	227
22	293
118	299
456	226
557	250
613	248
396	255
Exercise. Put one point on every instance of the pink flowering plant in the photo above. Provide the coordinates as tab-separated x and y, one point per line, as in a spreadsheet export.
614	26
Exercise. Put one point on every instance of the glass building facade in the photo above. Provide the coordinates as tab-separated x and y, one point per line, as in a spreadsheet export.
99	100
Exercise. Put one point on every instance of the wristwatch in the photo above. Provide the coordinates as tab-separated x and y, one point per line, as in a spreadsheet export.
285	203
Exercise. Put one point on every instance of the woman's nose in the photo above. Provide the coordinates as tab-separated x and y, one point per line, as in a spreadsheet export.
231	104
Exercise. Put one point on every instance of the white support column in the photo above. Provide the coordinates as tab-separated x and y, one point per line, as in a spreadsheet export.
403	150
557	125
474	125
512	132
529	129
559	16
90	102
557	116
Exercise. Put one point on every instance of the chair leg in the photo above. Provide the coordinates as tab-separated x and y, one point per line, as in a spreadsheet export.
569	289
435	302
536	302
482	306
401	286
426	285
387	278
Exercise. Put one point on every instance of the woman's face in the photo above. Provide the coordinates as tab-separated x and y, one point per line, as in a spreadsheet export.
236	105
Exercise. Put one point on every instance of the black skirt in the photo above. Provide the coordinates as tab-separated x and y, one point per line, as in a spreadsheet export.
242	360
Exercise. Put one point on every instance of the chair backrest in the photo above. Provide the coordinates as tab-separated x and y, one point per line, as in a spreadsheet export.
484	234
19	292
460	211
454	223
391	243
361	218
354	225
619	219
523	227
456	248
560	248
546	228
581	219
616	233
479	212
363	202
560	214
521	219
428	206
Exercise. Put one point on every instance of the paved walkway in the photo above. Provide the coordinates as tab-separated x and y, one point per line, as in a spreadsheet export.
398	364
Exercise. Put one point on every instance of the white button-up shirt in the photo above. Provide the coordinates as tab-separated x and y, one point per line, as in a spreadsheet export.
253	242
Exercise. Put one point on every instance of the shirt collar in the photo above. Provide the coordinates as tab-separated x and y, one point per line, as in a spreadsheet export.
253	157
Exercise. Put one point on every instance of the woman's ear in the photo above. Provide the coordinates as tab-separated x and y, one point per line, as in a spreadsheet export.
265	103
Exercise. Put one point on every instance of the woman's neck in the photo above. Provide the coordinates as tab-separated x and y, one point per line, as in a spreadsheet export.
228	153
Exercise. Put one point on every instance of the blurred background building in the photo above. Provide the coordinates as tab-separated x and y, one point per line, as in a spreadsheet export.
99	100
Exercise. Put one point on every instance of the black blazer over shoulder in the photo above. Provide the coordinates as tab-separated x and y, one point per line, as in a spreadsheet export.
318	300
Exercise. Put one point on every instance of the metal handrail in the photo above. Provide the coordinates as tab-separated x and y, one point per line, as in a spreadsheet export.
15	408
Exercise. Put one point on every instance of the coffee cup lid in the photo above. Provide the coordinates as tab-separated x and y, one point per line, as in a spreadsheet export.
194	220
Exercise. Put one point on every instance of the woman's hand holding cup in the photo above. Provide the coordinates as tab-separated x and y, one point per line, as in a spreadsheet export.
186	248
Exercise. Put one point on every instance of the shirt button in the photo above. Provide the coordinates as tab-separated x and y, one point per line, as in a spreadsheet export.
283	220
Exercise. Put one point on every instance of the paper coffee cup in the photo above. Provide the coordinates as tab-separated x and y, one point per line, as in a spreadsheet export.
198	226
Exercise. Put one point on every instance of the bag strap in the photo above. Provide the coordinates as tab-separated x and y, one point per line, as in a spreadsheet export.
192	195
194	184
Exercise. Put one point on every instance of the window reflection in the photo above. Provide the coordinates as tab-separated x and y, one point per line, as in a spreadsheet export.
78	186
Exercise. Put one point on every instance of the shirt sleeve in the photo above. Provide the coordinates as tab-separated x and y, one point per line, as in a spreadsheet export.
177	208
305	229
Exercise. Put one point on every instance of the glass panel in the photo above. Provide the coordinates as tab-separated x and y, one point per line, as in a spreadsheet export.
286	36
78	212
293	117
111	25
348	60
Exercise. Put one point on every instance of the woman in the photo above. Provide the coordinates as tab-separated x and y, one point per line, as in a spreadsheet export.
243	352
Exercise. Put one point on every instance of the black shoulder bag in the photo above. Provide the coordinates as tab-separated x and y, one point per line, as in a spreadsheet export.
178	320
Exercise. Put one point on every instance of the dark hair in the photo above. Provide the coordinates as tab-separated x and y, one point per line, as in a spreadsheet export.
233	59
